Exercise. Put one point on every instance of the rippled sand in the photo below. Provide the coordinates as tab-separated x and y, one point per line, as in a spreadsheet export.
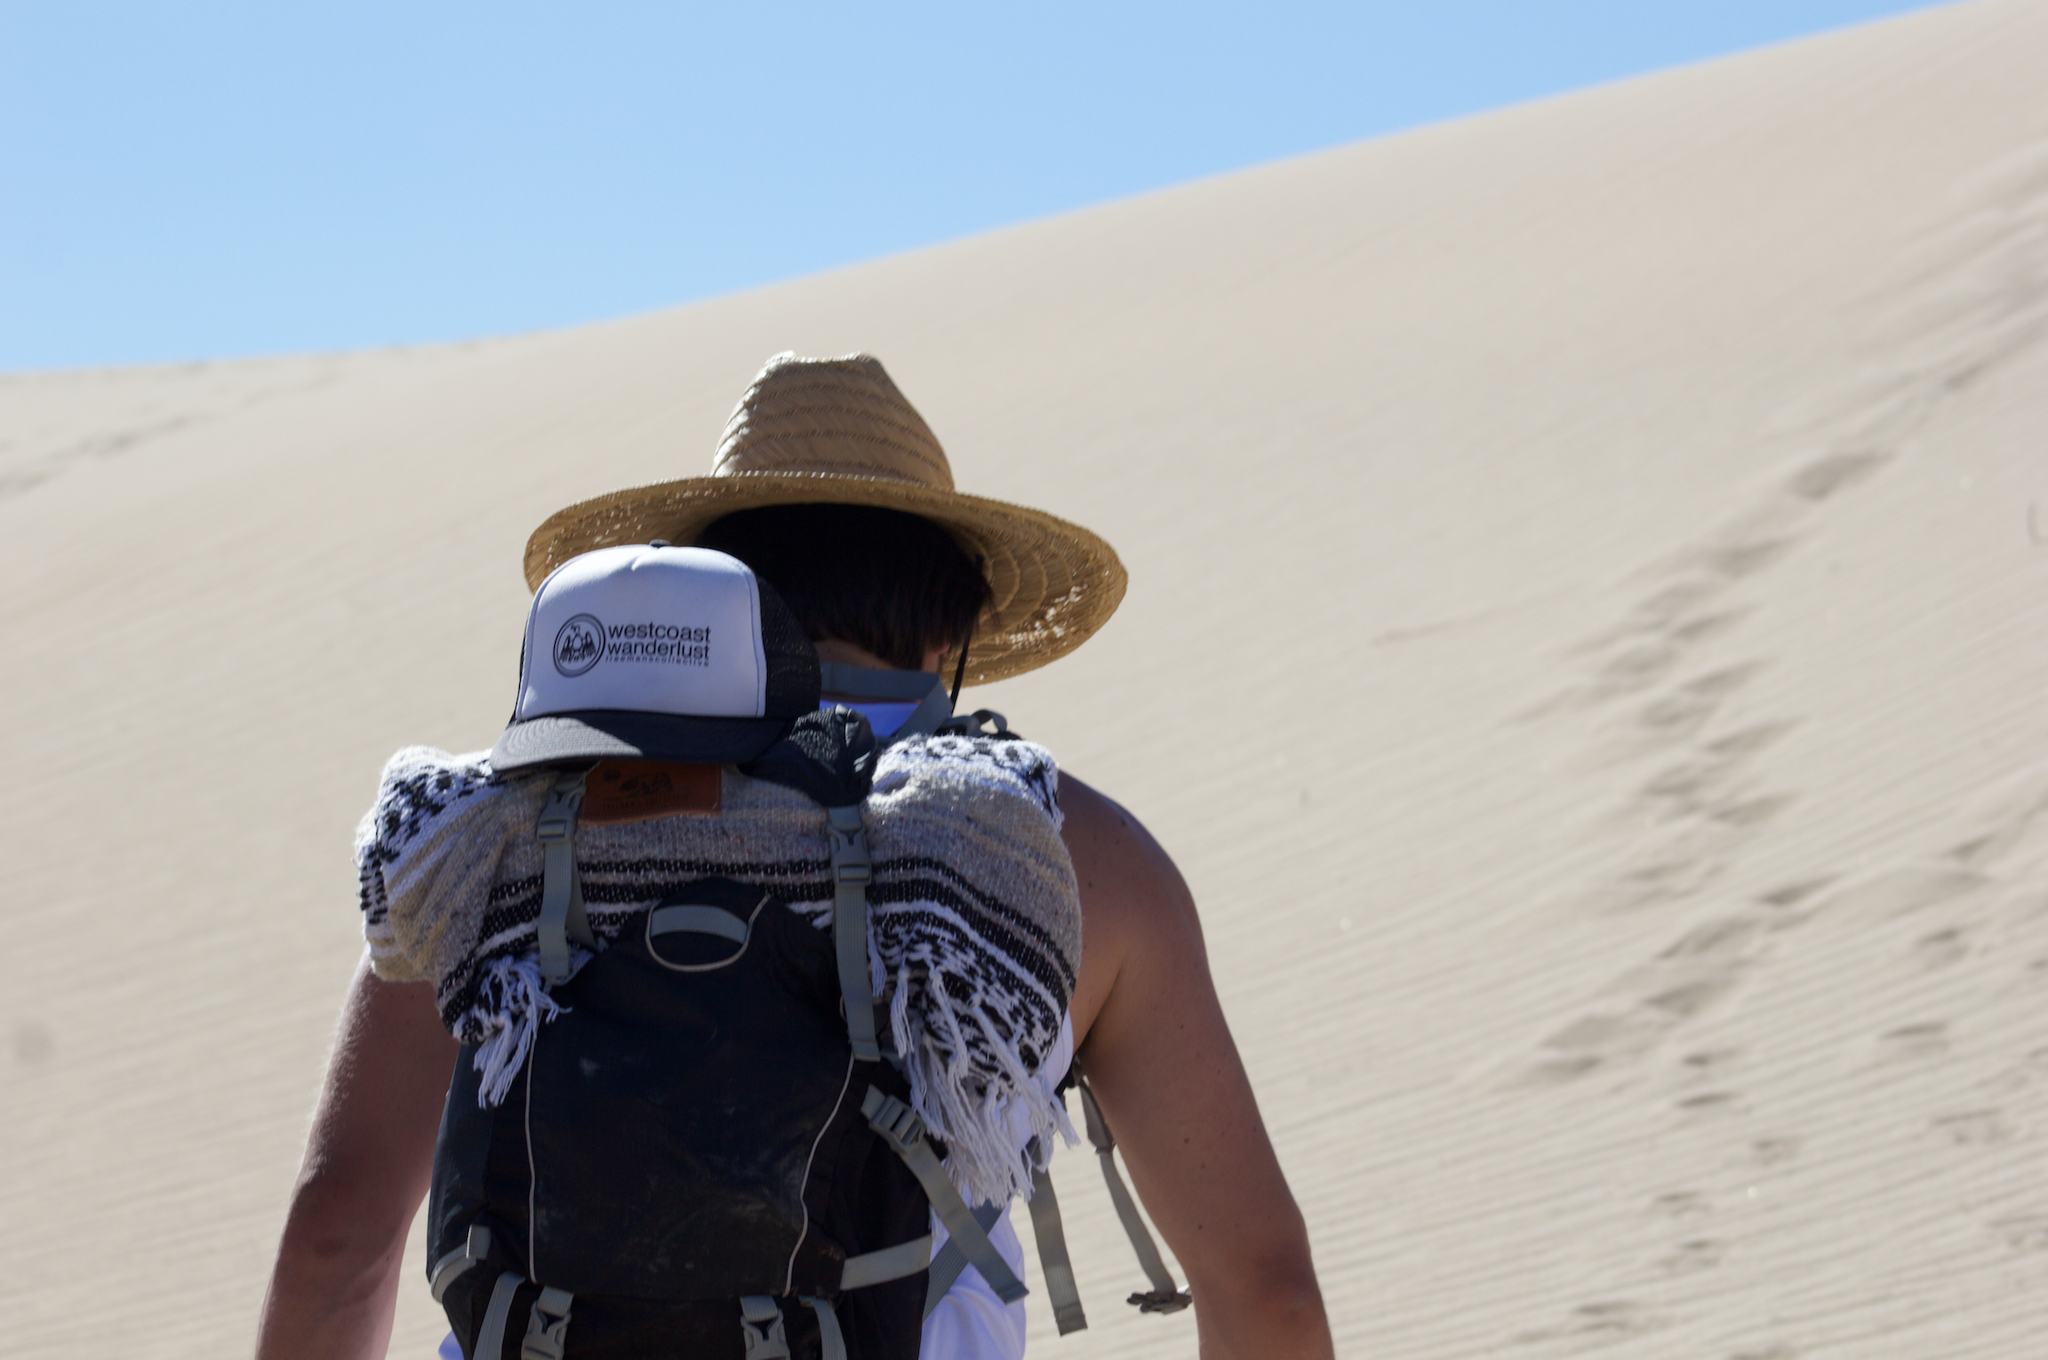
1586	642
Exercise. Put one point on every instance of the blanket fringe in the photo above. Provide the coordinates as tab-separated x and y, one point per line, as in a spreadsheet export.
510	1006
983	1121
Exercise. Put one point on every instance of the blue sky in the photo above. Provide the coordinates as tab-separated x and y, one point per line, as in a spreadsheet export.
213	180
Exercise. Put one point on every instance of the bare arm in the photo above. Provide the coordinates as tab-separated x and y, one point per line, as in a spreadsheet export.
1159	1054
368	1160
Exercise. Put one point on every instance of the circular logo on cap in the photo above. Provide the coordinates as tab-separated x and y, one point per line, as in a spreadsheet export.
579	645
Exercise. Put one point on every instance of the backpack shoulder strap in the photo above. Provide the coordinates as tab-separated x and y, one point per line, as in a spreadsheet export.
922	688
1057	1266
1165	1295
903	1131
1053	1261
561	894
852	871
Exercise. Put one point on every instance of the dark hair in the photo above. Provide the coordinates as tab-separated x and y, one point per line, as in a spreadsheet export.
886	581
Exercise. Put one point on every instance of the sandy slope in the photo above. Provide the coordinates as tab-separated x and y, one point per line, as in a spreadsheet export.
1589	609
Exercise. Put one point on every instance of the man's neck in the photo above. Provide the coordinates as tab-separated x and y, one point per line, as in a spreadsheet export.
895	700
888	682
847	654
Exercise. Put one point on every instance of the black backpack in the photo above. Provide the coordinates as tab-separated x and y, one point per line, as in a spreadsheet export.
705	1153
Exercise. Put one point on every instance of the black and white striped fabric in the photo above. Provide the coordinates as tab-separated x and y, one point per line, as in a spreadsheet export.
974	917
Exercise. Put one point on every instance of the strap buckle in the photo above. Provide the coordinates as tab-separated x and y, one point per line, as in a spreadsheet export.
544	1339
892	1119
761	1328
848	838
896	1124
561	896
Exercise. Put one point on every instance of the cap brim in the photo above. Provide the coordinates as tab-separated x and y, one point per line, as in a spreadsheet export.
607	734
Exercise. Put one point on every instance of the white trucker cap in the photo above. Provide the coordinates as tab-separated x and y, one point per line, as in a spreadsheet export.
658	652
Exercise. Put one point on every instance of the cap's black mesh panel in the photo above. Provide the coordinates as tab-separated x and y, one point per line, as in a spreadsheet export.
828	755
793	683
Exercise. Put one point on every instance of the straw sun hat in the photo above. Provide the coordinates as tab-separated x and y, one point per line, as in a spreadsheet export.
838	431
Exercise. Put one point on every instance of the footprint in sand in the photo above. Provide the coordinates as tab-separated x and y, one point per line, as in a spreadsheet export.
1975	1128
1794	893
1679	713
1750	812
1823	477
1742	556
1940	949
1902	890
1687	1000
1710	1062
1919	1042
1777	1351
2022	1232
1725	937
1682	1204
1775	1151
1702	1253
1707	786
1747	741
1598	1324
1692	976
1556	1071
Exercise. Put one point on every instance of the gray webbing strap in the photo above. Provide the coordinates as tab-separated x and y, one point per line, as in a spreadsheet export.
852	871
903	1131
459	1262
761	1328
697	921
928	691
490	1338
1053	1261
831	1344
948	1264
970	724
547	1326
1166	1297
890	1263
931	710
556	832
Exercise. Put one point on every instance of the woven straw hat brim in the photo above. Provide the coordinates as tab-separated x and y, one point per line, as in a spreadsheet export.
1052	583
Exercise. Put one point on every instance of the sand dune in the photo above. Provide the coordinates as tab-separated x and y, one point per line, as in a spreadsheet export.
1588	615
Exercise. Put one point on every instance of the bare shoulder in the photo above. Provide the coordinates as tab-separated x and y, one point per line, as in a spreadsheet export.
1132	895
1158	1051
1115	855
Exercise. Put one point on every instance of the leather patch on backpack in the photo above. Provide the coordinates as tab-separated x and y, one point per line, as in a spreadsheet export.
640	790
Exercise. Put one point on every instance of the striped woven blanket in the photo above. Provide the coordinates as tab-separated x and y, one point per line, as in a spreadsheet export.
974	914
